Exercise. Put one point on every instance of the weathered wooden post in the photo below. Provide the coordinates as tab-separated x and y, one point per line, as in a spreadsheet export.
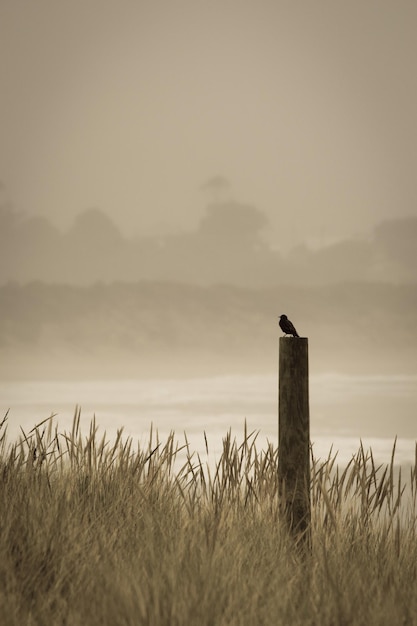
294	436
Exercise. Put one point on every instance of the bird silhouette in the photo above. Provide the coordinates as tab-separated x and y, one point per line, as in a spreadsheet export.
287	326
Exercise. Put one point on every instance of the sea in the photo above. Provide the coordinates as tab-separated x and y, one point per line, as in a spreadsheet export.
345	411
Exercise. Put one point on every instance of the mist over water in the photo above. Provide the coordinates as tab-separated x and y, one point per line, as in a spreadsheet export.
344	410
173	179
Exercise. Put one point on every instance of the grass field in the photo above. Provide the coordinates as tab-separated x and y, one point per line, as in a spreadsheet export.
99	532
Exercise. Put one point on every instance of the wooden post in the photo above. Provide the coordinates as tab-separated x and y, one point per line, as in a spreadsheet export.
294	435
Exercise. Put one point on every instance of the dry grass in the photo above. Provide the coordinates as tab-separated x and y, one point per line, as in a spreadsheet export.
100	532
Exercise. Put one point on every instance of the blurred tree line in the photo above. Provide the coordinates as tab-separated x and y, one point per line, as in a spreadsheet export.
228	246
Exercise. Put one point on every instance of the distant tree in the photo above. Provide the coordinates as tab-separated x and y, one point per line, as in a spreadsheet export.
345	260
233	224
348	259
217	188
9	217
94	227
398	239
94	249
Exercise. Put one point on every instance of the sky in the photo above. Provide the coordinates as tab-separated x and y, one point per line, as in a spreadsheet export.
307	108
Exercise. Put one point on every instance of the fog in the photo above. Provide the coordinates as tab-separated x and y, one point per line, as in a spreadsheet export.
175	175
308	109
229	245
168	329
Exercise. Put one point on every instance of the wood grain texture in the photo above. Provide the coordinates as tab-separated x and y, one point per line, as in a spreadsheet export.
294	434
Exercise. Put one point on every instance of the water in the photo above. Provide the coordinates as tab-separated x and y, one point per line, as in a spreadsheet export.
343	410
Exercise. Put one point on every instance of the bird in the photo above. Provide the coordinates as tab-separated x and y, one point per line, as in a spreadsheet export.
287	326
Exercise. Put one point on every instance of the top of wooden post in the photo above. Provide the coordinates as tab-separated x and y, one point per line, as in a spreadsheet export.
294	342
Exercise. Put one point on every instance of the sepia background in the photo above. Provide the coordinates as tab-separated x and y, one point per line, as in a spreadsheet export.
175	175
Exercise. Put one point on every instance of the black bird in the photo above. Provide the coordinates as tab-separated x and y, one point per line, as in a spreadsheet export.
287	326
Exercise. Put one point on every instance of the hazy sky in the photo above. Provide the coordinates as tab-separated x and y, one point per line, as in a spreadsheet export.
307	107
